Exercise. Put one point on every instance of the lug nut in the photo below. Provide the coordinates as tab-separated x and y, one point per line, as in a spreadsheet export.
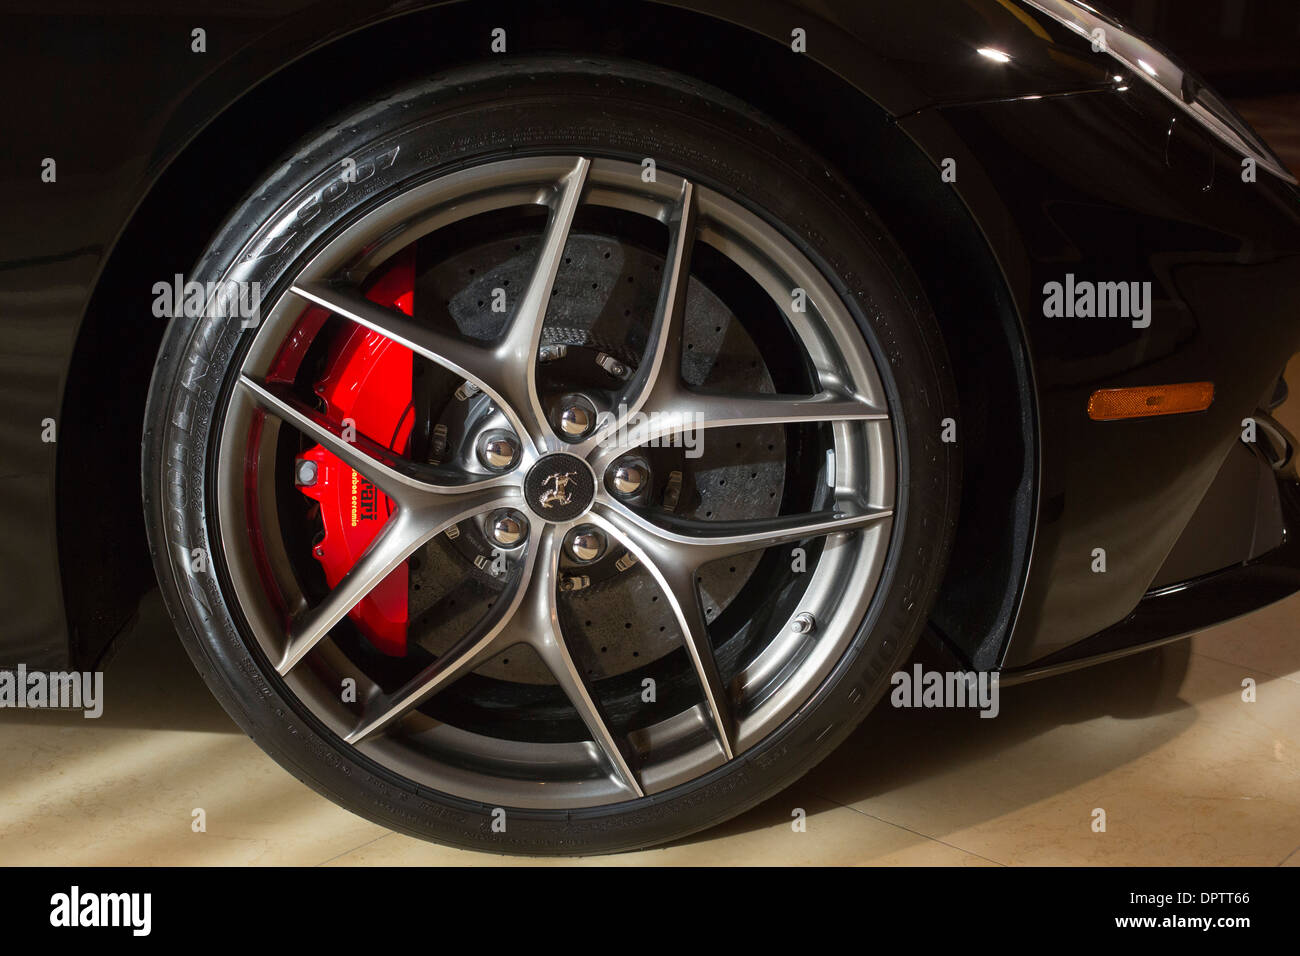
628	477
586	544
498	451
576	416
508	528
575	421
803	623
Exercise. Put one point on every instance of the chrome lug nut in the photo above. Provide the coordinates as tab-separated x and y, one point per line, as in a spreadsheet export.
508	528
586	544
627	478
576	416
498	451
803	623
575	421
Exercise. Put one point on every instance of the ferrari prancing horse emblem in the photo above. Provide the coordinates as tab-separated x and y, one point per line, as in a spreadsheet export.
555	489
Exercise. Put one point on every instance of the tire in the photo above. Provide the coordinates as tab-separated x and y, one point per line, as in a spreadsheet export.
457	122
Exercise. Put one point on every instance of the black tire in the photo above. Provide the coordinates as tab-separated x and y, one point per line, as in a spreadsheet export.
619	110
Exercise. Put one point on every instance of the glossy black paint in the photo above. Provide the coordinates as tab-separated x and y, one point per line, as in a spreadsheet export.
1243	49
1225	271
1172	612
154	143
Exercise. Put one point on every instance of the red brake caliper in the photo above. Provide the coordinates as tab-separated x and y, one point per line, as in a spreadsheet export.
368	381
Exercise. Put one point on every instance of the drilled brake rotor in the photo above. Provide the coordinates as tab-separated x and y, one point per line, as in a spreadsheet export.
605	293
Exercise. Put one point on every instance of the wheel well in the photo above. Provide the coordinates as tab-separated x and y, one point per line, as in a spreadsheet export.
103	554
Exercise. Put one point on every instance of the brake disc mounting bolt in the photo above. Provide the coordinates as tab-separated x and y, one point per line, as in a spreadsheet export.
612	365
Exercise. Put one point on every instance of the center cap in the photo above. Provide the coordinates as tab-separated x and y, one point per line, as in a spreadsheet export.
559	487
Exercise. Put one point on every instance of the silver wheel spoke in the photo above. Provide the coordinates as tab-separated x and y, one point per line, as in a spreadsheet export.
686	540
669	407
406	530
676	410
482	642
527	615
677	580
537	623
467	359
716	410
396	476
517	351
676	549
660	370
393	545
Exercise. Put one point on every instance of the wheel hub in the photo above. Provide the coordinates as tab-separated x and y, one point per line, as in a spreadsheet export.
559	488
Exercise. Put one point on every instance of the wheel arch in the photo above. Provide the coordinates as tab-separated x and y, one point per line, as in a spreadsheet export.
104	561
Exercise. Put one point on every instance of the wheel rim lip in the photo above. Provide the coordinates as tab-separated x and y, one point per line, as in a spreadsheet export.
400	220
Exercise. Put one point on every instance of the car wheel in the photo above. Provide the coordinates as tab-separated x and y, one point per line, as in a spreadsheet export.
555	464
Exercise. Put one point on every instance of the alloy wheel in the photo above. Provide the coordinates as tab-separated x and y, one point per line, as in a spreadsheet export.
552	468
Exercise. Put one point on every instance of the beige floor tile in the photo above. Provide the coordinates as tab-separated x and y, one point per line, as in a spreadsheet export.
834	836
1197	778
121	789
1267	640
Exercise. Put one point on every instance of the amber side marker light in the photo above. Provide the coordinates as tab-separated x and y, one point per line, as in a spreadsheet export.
1111	404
